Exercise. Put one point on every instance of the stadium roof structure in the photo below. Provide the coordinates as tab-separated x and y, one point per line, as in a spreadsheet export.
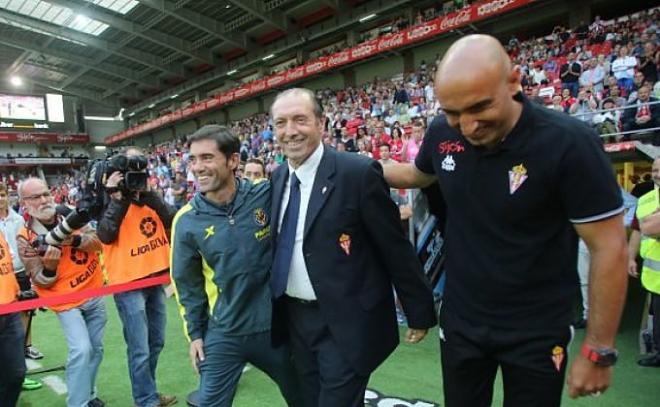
137	54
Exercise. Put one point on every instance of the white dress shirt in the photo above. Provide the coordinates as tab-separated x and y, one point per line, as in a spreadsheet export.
298	284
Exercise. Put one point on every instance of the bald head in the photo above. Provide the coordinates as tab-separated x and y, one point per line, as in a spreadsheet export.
475	85
474	56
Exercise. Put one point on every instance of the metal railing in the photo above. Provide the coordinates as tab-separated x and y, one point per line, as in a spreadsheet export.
622	108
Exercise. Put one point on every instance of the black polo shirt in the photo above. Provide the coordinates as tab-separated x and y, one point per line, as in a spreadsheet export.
511	246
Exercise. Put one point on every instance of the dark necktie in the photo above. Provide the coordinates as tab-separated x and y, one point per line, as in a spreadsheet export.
286	240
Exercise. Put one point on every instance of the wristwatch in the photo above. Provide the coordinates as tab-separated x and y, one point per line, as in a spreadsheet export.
603	357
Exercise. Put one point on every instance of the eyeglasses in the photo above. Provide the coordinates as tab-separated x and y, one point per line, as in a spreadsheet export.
37	196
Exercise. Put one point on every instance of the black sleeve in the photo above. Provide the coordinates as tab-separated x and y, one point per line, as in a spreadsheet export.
382	221
424	159
164	211
111	219
588	190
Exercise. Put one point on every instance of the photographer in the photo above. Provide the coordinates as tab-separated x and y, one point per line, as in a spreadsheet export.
132	228
12	335
585	106
55	271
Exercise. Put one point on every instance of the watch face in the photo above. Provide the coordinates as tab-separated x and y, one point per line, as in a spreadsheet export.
607	357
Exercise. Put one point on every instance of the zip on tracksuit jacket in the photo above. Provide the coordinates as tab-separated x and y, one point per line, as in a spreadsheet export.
220	262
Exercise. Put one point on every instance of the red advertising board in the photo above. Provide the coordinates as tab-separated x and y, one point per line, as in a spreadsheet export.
50	138
411	35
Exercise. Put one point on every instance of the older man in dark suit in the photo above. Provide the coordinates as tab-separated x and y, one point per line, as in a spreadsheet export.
339	249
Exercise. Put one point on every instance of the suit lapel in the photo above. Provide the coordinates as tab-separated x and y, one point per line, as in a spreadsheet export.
322	188
279	181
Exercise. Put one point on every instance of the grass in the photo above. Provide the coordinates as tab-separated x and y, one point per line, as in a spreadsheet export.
412	372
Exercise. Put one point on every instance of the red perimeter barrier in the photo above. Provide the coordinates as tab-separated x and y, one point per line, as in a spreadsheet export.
81	295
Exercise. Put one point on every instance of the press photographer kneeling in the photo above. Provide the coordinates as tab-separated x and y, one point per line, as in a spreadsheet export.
70	263
133	229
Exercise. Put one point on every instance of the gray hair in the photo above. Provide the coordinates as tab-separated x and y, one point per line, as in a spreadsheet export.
21	185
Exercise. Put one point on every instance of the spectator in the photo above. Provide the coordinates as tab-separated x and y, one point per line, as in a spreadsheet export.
538	74
644	115
648	62
593	75
623	69
607	122
557	104
570	74
584	107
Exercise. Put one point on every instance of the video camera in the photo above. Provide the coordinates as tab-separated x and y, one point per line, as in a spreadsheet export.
133	168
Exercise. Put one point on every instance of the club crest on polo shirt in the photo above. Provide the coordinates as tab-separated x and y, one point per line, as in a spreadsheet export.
557	357
448	164
517	175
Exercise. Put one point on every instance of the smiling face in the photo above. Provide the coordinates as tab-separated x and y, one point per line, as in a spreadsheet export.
212	169
297	128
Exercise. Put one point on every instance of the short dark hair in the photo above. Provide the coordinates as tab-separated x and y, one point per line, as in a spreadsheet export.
316	107
226	142
258	162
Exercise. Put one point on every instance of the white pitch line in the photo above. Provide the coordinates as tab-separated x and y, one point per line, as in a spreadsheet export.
56	384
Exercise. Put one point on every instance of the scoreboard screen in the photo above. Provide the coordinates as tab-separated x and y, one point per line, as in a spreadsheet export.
18	107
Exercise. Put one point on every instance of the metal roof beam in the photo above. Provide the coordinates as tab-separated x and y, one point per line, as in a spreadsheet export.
197	20
274	17
109	69
165	40
100	83
140	57
93	96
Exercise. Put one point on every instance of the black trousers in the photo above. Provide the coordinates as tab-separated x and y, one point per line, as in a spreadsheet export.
12	358
533	363
655	308
326	377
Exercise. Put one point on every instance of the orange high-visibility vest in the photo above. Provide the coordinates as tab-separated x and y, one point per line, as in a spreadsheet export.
8	284
76	271
141	248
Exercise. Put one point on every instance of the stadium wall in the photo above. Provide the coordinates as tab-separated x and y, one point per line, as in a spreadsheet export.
99	129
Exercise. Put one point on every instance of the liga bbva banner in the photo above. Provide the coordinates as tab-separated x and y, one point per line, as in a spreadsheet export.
411	35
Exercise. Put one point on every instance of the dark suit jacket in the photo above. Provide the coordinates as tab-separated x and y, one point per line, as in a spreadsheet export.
354	287
630	114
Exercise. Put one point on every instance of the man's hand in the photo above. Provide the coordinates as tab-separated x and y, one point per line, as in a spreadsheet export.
196	353
415	335
632	268
114	179
51	258
586	378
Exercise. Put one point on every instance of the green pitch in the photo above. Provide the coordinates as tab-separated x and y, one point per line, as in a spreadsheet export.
411	373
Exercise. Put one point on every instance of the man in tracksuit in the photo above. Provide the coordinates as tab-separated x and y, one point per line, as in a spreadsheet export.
220	264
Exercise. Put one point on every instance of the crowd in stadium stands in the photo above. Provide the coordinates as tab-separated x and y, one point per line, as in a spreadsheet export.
605	73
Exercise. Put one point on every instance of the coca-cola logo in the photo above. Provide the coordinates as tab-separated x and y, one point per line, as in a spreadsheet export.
241	92
394	41
64	139
258	86
422	31
276	80
339	58
226	98
316	66
24	137
363	50
296	73
462	17
493	6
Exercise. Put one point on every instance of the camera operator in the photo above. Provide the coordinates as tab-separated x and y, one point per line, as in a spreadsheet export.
132	228
12	334
73	267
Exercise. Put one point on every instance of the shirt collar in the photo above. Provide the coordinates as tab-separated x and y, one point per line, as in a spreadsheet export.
307	170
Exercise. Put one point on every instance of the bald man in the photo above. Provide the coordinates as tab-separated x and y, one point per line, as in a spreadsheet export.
521	183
